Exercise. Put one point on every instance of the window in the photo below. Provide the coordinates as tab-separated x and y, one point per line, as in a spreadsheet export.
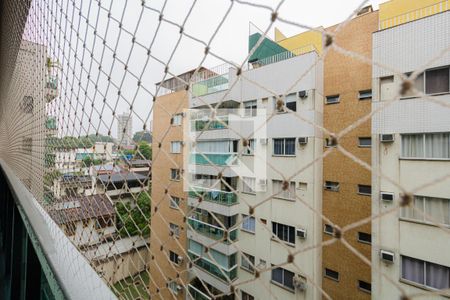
173	286
436	209
303	186
283	277
291	101
175	229
224	146
174	202
248	223
437	81
284	232
247	262
250	108
425	273
364	237
365	142
329	142
248	185
175	174
364	189
245	296
284	146
331	186
365	95
332	99
426	145
250	148
176	119
173	257
175	147
328	229
365	286
331	274
277	189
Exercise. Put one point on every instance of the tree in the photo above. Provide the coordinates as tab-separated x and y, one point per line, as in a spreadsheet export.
134	221
143	135
87	161
145	150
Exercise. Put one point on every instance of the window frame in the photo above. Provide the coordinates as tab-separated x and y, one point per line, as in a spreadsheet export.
295	95
423	209
173	257
246	296
364	193
284	147
364	241
337	97
280	232
325	226
418	284
363	97
247	267
251	191
180	143
364	289
425	80
329	276
175	230
176	200
244	221
283	283
424	146
362	138
250	111
333	188
177	174
249	150
179	117
280	193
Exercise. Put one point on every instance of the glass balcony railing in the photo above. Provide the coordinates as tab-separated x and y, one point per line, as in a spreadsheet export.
196	294
50	123
217	159
216	196
211	231
52	83
212	268
200	125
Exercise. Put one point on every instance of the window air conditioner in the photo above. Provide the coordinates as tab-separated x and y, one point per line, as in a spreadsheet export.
303	94
386	138
387	256
299	283
386	196
303	140
301	233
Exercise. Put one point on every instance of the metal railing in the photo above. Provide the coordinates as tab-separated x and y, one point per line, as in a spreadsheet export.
284	55
213	268
213	232
414	15
216	196
196	294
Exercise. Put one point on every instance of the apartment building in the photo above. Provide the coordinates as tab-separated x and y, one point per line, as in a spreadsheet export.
232	232
168	262
411	148
347	185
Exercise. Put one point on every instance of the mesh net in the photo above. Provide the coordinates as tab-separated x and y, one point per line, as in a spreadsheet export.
160	186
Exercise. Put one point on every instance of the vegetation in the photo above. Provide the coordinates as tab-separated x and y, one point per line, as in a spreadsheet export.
71	142
145	150
142	136
88	161
134	221
133	287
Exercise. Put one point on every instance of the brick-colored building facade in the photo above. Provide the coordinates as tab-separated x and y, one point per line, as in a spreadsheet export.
347	77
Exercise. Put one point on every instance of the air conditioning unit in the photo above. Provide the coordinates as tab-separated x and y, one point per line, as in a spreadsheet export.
303	140
180	259
386	138
386	196
264	141
387	256
303	94
299	283
301	233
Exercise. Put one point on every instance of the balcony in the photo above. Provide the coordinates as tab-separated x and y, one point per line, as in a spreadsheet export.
200	125
216	159
215	196
196	294
51	88
50	123
212	268
211	80
213	232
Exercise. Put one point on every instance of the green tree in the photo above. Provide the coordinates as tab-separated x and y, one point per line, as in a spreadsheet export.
88	161
134	221
144	150
143	135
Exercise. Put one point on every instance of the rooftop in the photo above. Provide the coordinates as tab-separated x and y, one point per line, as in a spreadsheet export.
120	177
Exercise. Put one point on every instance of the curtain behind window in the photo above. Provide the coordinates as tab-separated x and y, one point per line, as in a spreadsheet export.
413	269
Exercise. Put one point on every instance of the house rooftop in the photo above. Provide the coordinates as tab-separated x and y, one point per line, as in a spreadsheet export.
121	177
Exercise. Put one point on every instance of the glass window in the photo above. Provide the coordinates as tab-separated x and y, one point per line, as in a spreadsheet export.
328	229
248	223
413	269
364	237
277	188
437	81
365	286
284	146
428	209
175	174
175	229
425	273
174	202
427	145
291	101
250	148
332	274
365	95
247	262
175	147
177	119
245	296
364	189
173	257
332	99
284	232
250	108
248	185
283	277
364	142
331	186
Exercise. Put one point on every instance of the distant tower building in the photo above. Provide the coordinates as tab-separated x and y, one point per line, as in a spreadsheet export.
124	129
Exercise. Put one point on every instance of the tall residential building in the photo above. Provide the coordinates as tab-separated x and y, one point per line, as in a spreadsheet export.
125	129
168	237
243	222
411	150
347	185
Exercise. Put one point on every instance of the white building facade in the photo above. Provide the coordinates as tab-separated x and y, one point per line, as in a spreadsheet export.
262	187
411	148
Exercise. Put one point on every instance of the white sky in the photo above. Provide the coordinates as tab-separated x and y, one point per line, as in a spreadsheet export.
231	43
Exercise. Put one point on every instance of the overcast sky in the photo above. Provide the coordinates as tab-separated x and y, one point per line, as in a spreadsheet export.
231	43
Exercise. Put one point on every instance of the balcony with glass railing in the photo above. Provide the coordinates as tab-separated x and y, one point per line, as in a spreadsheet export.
211	80
205	124
212	268
214	159
213	232
197	294
50	123
284	56
212	195
51	87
